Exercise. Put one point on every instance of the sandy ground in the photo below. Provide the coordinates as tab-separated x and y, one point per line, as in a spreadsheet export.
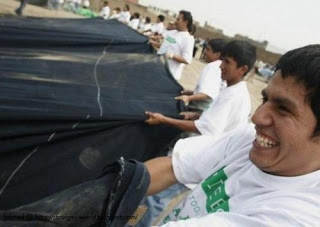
190	74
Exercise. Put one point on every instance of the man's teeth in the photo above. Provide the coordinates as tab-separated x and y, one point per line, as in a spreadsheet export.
264	142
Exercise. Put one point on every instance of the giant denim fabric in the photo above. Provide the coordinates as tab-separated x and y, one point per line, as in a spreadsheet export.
106	201
73	96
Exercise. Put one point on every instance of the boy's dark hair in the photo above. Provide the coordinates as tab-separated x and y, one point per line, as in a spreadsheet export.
303	64
217	45
127	7
161	17
187	17
106	3
148	19
136	15
242	52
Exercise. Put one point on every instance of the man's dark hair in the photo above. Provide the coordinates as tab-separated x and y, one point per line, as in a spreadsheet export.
303	64
148	20
161	17
242	52
187	17
127	7
193	29
217	45
106	3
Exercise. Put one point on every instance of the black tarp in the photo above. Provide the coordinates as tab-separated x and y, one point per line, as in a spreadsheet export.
72	98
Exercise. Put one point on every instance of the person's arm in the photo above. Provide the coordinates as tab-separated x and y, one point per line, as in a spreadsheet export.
161	174
176	58
157	118
195	97
188	115
155	44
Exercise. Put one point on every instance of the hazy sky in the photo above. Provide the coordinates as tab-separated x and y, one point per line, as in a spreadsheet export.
286	24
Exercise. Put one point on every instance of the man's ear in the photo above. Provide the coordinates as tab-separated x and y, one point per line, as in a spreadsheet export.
218	55
244	69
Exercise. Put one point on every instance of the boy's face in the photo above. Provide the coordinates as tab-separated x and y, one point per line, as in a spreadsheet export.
284	123
230	72
210	55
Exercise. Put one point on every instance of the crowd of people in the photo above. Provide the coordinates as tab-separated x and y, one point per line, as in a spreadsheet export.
232	172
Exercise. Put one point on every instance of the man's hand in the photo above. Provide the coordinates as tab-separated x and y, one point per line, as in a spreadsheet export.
186	92
190	115
169	55
184	98
154	118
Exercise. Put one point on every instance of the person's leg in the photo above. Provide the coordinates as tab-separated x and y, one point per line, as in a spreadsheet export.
157	206
23	4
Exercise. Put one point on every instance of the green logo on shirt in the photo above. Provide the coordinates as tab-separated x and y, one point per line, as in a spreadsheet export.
214	188
170	39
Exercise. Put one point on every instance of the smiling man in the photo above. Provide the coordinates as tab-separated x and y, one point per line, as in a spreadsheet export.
262	175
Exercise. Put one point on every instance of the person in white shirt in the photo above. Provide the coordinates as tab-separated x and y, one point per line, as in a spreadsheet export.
115	13
262	175
125	15
209	83
146	26
232	107
134	22
178	44
157	28
105	11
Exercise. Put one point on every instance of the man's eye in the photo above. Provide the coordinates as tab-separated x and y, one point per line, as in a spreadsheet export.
282	109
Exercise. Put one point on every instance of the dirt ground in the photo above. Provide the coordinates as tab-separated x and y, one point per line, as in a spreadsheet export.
190	74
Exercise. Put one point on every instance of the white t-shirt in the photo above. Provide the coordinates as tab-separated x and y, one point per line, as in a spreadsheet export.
229	110
134	23
232	191
209	83
115	16
158	27
146	27
124	17
178	43
105	11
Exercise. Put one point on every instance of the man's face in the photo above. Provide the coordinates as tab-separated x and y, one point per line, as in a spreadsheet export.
284	123
210	55
230	71
180	24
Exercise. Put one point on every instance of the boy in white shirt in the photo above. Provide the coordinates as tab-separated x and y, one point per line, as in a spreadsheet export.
209	83
105	11
232	107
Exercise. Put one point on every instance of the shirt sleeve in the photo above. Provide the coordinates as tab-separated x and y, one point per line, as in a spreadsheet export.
210	82
215	118
194	158
187	49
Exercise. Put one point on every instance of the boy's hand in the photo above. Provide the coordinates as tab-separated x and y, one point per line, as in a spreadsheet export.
190	115
184	98
154	118
186	92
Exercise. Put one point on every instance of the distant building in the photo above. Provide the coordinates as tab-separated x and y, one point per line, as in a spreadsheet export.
262	44
133	1
212	29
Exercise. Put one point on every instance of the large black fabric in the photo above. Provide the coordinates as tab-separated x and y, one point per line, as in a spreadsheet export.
110	200
68	107
61	32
